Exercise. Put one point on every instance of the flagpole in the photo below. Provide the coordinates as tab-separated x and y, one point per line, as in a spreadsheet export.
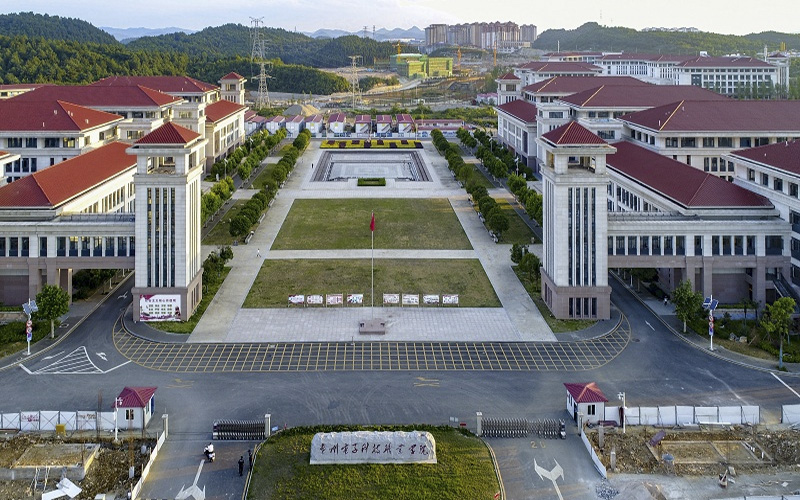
372	266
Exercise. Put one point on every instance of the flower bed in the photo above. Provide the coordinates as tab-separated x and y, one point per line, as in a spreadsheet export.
371	144
371	181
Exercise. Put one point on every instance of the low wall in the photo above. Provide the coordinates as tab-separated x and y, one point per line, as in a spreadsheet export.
595	459
73	473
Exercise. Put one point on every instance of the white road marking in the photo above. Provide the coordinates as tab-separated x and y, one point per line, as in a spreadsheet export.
123	296
784	383
59	353
101	355
193	491
710	374
651	326
26	370
552	475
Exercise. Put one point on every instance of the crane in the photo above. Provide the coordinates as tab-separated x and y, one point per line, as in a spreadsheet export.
458	54
399	47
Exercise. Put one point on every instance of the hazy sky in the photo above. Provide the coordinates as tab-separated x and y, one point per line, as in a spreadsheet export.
720	16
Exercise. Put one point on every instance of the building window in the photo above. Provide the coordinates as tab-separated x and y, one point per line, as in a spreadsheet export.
671	142
14	142
745	142
31	142
708	142
688	142
777	184
793	189
764	179
129	414
725	142
591	410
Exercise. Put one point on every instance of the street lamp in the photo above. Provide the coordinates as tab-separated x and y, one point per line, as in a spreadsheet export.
117	403
621	397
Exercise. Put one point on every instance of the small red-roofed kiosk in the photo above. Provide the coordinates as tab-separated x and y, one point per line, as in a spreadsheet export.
134	407
575	216
586	401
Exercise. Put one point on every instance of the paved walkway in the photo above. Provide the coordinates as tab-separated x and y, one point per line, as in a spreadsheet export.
518	320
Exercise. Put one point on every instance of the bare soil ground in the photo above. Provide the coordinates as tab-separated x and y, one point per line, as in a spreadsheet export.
107	474
701	452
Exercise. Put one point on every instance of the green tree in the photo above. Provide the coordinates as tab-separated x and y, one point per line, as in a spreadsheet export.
777	319
530	265
498	222
517	252
688	303
240	225
53	302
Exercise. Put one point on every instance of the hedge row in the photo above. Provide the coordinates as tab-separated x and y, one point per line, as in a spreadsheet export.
495	217
252	211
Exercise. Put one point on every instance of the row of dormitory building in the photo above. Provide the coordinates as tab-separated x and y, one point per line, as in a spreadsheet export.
674	177
739	76
342	125
42	125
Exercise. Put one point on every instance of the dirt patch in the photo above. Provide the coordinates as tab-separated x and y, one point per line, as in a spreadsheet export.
700	452
107	474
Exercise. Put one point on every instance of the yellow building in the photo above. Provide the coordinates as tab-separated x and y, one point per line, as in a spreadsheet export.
421	66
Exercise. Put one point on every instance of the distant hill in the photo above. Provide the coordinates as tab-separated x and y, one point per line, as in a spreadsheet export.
52	27
381	35
592	36
126	35
232	40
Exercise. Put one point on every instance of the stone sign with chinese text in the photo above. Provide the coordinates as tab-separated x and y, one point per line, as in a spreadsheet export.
373	447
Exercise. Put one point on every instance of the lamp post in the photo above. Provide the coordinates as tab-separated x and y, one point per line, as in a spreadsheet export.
117	402
710	304
621	396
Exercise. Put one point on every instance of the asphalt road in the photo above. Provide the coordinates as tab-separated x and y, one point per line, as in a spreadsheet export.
85	372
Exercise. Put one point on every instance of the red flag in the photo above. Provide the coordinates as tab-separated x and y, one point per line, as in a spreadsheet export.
372	223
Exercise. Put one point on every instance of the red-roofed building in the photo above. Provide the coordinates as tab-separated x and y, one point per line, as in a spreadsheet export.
46	132
405	125
8	91
142	108
731	75
508	88
773	171
294	125
516	128
225	129
232	88
337	124
383	126
315	124
275	123
537	71
561	86
572	134
700	133
135	407
587	402
78	213
253	122
363	126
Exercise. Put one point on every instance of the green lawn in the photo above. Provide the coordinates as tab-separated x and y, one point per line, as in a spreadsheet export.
344	224
221	235
277	279
482	179
259	181
557	325
188	326
464	471
518	231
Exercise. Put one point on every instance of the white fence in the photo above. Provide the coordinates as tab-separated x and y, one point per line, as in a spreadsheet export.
137	488
597	463
790	414
668	416
38	421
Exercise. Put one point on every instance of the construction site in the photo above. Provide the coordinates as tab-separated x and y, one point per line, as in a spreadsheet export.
702	451
39	462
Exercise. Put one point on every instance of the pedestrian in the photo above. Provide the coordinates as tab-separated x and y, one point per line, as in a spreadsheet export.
666	299
258	252
250	458
241	465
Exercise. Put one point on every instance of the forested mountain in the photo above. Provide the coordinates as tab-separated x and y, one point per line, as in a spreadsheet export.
231	40
592	36
52	27
36	60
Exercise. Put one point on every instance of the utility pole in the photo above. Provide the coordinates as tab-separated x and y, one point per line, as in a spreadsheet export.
257	57
354	79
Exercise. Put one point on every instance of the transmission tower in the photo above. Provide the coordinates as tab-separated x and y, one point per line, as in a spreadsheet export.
257	57
354	79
